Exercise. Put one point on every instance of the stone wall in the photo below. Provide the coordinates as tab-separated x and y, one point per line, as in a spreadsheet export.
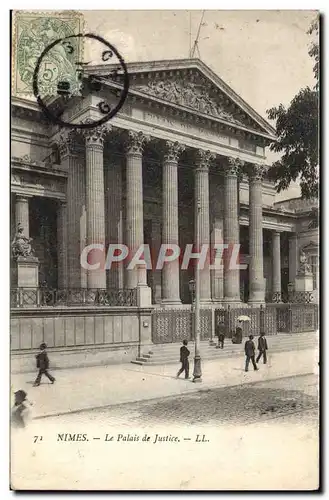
110	334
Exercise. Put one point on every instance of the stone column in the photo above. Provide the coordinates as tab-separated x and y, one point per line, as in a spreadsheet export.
293	258
157	274
73	162
114	216
95	204
276	269
170	271
62	277
231	229
216	203
22	214
202	225
256	265
134	204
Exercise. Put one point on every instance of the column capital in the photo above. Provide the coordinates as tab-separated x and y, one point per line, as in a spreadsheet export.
135	142
95	136
172	151
23	197
204	159
255	172
234	166
66	142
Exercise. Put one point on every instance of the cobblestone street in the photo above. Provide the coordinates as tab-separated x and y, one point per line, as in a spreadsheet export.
247	403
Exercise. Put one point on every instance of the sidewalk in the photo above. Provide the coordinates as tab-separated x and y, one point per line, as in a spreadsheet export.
101	386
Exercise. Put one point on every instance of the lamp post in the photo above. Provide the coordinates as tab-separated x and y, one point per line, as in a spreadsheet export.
197	373
191	286
290	292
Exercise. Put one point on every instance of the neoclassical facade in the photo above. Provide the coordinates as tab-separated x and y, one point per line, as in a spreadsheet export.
183	144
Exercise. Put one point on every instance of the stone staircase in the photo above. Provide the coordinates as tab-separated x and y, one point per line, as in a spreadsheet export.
169	353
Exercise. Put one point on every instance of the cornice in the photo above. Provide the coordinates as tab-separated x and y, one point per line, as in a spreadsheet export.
125	122
39	168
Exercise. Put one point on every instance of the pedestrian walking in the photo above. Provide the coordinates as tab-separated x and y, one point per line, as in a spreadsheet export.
262	348
249	349
220	333
43	365
19	412
184	354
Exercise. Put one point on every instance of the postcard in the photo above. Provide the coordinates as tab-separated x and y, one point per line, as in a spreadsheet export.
164	295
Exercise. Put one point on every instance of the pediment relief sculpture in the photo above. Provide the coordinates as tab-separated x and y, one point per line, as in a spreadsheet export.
193	95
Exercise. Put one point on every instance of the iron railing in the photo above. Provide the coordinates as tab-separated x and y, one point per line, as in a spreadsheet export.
272	319
45	297
290	297
176	325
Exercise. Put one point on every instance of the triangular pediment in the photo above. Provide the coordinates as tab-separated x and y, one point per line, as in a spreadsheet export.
192	86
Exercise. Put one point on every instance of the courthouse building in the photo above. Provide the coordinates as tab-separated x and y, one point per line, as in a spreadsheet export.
183	142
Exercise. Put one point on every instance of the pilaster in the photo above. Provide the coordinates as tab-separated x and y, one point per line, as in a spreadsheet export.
73	161
22	214
62	245
276	270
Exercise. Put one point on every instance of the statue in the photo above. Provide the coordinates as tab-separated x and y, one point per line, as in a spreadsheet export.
304	267
21	245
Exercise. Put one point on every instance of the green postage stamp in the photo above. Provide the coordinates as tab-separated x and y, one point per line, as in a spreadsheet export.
32	33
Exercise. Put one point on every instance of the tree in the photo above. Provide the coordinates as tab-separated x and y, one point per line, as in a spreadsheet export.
298	136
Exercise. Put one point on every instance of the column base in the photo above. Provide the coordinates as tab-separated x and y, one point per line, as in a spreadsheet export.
232	302
171	302
256	303
197	373
206	302
144	296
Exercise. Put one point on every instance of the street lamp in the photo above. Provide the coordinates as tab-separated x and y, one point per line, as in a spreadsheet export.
197	373
191	286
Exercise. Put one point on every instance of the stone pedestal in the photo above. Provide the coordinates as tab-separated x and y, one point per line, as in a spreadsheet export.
304	282
144	296
26	272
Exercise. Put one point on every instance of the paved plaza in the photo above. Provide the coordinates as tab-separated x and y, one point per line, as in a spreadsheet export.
102	386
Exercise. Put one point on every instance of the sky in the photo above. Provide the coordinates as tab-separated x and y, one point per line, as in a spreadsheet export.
262	55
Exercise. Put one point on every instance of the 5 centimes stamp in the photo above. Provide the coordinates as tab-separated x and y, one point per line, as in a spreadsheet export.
78	81
32	33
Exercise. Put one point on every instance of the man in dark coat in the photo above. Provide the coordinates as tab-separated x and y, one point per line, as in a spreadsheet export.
43	365
184	354
262	347
220	333
249	349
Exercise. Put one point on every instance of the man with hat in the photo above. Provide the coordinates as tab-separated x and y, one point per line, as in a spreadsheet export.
43	365
249	349
262	348
19	411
